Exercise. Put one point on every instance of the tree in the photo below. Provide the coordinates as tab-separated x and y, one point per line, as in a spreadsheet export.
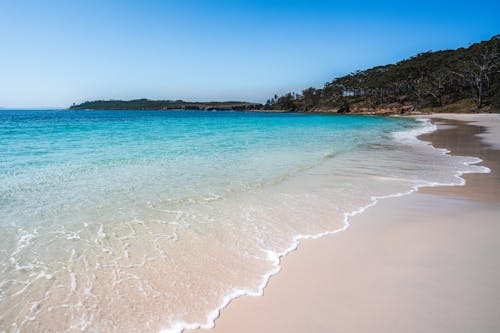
310	97
428	78
479	68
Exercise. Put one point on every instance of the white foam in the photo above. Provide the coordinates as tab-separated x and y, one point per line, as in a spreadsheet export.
73	282
409	137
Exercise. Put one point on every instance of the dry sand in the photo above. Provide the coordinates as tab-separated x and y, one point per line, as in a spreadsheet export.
427	262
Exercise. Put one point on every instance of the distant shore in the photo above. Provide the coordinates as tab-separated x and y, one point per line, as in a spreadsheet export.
425	262
146	104
404	109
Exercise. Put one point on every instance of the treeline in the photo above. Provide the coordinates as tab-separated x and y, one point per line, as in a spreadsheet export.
429	79
146	104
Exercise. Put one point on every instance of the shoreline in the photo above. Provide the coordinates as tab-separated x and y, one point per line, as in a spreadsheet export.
222	323
324	111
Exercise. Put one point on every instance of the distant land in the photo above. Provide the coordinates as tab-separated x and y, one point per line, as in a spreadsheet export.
146	104
461	80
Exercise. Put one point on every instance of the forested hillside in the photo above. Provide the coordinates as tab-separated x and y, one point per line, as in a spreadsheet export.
467	77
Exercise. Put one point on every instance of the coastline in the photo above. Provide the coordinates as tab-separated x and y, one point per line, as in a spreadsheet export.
291	302
395	166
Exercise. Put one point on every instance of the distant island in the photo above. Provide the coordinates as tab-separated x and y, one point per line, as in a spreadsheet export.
146	104
462	80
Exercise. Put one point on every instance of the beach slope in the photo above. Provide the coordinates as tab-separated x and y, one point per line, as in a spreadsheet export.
427	262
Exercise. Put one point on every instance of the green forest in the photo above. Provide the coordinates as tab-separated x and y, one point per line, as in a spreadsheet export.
462	80
467	79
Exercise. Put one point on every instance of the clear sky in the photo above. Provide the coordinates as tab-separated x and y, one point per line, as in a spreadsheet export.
54	53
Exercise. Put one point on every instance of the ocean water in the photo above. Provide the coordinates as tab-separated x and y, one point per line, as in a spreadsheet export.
148	221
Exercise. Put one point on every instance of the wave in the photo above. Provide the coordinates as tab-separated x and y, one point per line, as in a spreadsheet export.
146	230
408	137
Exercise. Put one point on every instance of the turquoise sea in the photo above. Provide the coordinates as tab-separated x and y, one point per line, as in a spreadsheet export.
141	221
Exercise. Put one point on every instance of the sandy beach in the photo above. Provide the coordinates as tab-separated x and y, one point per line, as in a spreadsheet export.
426	262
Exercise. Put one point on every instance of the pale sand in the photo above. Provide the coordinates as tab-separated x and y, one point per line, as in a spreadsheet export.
491	122
427	262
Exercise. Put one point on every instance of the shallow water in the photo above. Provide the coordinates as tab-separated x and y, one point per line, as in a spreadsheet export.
137	221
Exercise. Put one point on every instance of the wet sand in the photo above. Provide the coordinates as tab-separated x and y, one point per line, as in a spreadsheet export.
427	262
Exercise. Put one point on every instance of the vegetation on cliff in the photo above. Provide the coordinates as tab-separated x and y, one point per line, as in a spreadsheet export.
461	80
146	104
431	79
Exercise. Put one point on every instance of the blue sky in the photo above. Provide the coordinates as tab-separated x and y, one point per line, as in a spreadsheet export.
54	53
